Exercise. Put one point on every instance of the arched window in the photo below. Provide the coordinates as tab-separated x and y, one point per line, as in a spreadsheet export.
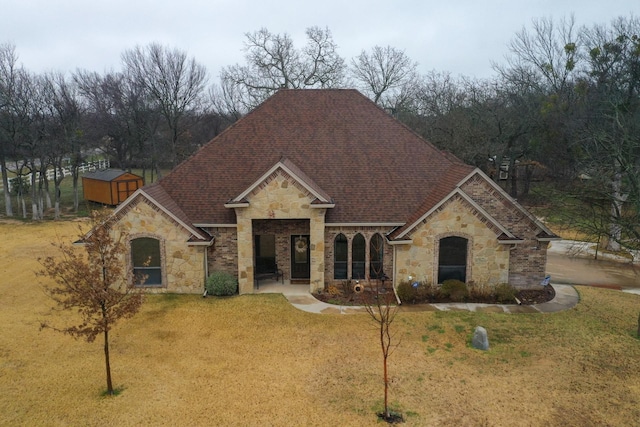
340	254
146	260
376	253
358	248
452	259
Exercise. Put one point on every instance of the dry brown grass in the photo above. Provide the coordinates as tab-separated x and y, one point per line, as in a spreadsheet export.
256	360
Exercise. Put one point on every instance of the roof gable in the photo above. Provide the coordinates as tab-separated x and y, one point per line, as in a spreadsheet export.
305	183
544	232
158	198
476	210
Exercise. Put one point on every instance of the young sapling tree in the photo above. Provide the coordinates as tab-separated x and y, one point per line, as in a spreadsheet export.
97	284
382	306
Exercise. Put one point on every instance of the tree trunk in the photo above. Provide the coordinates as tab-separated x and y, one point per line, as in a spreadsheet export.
385	372
47	195
74	175
386	390
23	203
107	362
513	178
5	186
615	231
34	196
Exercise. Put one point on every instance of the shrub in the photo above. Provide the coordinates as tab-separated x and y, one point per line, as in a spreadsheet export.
481	291
505	293
334	291
427	292
347	287
220	283
406	292
454	289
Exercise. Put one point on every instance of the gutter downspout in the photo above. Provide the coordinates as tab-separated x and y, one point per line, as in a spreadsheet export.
393	279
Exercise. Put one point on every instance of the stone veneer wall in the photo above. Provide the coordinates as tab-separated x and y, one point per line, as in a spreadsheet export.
279	197
528	259
487	260
350	232
182	265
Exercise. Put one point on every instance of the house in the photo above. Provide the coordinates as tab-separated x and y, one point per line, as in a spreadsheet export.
109	186
329	187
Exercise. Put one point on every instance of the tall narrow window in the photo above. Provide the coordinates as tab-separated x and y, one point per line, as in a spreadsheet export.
145	256
376	252
340	253
358	248
452	259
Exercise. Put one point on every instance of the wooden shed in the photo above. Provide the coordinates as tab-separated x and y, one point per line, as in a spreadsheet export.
110	186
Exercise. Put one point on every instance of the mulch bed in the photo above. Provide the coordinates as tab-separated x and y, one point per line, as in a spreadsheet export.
525	297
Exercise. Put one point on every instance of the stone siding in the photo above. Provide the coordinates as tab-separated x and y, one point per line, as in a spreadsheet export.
182	266
528	259
487	260
279	197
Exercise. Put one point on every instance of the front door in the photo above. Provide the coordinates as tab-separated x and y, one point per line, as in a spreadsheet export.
300	257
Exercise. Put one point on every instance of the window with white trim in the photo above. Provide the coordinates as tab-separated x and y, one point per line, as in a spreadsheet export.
146	260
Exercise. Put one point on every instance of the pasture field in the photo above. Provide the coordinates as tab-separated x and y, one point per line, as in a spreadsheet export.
255	360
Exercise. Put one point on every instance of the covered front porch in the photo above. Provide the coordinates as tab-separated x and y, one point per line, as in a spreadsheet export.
273	286
280	218
283	247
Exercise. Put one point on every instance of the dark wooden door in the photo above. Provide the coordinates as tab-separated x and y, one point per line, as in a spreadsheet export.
300	257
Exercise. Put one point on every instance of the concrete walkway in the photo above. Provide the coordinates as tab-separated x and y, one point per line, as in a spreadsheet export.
299	296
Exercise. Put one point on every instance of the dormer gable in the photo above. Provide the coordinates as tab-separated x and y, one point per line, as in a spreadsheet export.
288	174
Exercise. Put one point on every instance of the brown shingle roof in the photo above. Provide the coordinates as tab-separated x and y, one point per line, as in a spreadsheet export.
157	193
374	168
446	184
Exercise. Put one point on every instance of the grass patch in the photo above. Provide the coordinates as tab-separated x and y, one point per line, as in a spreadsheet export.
117	391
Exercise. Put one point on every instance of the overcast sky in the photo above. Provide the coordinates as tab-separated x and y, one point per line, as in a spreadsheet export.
459	36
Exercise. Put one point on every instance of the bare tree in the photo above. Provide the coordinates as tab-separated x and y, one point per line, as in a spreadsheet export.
273	62
322	67
382	306
8	76
386	74
176	84
98	286
30	130
65	135
611	133
121	117
546	56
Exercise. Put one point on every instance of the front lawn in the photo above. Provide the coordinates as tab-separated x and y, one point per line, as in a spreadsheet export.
256	360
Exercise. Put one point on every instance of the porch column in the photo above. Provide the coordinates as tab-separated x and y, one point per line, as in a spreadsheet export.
316	236
245	254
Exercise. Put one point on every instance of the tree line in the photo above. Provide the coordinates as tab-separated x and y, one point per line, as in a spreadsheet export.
563	103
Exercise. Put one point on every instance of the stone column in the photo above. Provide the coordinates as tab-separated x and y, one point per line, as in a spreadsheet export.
316	236
245	254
